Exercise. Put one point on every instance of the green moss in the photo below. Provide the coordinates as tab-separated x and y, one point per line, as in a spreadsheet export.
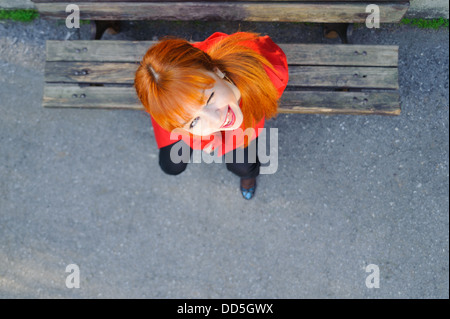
25	15
426	23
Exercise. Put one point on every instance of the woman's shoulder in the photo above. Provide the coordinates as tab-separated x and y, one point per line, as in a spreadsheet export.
262	44
208	42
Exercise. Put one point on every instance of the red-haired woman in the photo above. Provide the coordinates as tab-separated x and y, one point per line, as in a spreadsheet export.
206	90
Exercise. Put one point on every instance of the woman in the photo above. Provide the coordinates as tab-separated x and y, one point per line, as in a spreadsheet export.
205	90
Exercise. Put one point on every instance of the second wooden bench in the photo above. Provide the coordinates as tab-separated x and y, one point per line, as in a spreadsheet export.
338	16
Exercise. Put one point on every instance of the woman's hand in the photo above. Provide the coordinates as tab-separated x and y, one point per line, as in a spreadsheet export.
215	143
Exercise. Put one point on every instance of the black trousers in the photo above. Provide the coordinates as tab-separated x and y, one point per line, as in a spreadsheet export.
245	169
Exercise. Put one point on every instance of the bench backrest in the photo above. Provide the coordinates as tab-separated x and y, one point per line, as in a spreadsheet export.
319	11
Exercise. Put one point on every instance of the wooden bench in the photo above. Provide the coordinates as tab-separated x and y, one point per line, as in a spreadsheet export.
338	15
327	79
330	79
351	11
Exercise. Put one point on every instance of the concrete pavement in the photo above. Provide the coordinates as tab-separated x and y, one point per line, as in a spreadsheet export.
84	187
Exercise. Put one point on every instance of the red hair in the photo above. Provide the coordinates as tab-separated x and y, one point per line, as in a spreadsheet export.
171	76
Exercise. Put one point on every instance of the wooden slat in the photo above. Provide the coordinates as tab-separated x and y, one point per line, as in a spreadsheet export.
306	76
90	72
59	95
297	54
97	50
343	77
15	4
341	54
308	102
313	102
232	11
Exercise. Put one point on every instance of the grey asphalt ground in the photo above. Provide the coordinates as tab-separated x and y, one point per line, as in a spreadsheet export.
83	186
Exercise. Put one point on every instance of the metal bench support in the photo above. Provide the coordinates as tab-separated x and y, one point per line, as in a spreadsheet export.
98	28
342	30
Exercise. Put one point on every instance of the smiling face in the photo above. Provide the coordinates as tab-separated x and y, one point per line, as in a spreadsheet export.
221	112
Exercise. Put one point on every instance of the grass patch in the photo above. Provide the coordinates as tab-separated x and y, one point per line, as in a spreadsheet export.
22	15
426	23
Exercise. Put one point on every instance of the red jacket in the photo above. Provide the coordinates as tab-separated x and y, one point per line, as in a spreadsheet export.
264	46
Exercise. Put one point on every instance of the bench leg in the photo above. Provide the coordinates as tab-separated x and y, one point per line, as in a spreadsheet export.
342	30
99	27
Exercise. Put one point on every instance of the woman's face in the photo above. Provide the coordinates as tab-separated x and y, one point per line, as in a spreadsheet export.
221	111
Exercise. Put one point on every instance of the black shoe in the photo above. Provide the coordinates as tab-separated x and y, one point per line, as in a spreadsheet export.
248	187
